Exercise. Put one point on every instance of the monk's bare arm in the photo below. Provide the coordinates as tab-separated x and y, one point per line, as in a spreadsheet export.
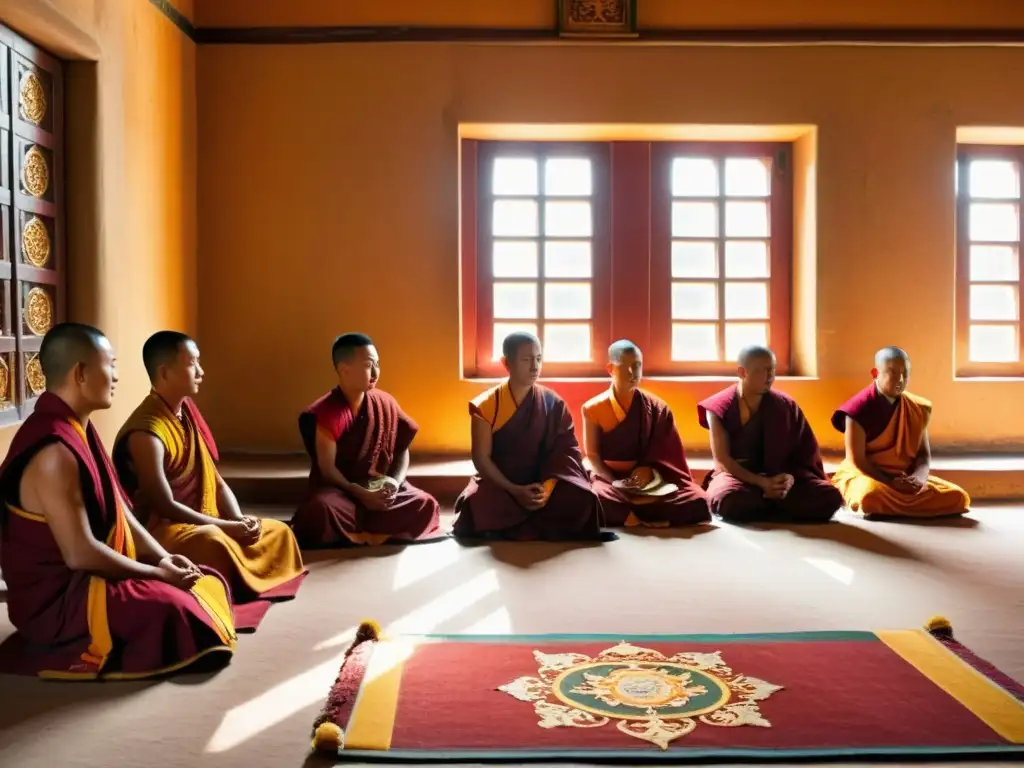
400	467
923	462
147	548
227	504
722	455
51	484
856	452
591	441
481	436
326	456
147	453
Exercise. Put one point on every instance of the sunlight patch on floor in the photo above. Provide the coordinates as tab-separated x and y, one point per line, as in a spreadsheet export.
446	606
417	563
498	622
841	573
284	700
275	705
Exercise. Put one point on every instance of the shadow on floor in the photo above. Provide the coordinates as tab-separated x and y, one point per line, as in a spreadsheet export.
847	535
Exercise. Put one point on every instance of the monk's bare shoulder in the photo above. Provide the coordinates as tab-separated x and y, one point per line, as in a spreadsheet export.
56	458
54	470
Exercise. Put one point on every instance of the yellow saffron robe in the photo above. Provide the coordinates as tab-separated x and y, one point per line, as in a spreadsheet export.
270	563
894	451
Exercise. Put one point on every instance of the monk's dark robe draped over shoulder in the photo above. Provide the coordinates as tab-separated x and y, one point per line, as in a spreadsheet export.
644	436
776	439
532	442
76	626
368	442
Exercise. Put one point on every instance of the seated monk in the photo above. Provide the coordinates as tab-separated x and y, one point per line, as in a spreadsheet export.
165	454
767	464
885	472
89	591
531	483
639	465
358	441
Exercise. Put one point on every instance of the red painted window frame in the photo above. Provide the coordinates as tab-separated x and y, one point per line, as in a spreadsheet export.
632	252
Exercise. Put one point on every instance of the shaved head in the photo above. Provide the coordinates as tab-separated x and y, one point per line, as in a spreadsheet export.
892	371
625	366
885	354
620	348
510	346
345	346
65	346
749	354
162	349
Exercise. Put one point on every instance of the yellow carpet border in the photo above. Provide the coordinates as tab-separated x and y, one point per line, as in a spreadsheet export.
997	708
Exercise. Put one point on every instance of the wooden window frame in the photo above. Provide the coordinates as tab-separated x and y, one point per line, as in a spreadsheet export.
962	281
780	253
19	345
632	252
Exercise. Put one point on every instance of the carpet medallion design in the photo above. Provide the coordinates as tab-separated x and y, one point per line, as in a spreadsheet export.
650	696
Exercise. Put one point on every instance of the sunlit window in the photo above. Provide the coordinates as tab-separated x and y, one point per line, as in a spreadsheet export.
990	236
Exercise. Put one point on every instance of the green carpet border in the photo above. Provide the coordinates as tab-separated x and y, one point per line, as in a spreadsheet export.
714	755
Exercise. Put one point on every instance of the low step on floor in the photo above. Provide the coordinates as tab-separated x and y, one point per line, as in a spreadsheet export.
281	479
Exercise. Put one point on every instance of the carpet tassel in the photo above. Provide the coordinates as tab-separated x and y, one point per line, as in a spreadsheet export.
939	626
328	738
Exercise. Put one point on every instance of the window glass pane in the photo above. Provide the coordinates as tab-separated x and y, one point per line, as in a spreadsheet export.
746	219
746	300
567	177
566	342
567	258
740	335
994	302
697	301
514	176
746	258
512	258
693	343
994	222
515	300
994	178
994	263
567	301
694	177
568	219
993	344
747	177
515	218
503	330
694	220
694	259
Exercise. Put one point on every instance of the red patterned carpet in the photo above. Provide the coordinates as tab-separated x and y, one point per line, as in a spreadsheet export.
258	712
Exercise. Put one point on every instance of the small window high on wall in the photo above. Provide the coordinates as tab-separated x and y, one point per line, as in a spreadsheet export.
31	217
988	261
684	248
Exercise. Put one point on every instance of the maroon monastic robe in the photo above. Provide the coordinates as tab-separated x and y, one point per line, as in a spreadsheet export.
648	437
776	439
368	443
154	627
535	445
869	408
